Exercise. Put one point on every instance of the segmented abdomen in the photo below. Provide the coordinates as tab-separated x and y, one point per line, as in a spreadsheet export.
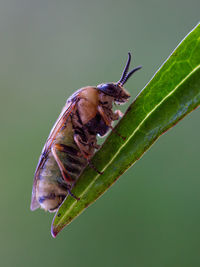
51	189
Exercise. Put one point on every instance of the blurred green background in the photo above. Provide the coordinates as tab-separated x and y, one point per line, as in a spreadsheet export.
49	49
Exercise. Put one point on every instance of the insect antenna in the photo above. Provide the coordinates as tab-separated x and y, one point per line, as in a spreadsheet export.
126	76
126	68
130	74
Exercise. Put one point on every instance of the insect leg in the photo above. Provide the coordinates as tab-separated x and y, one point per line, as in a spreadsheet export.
108	121
63	171
118	114
86	150
72	195
93	167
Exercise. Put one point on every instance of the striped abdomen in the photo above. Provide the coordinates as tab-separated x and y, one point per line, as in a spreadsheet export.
51	189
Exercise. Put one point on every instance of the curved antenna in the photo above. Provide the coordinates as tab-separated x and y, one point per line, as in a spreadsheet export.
126	68
126	76
130	74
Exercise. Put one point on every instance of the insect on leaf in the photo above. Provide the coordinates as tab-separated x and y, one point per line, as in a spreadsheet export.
172	93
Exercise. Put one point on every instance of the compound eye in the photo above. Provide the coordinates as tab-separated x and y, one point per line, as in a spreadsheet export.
107	88
102	86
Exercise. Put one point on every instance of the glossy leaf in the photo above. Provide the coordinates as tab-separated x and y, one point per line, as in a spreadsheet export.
173	92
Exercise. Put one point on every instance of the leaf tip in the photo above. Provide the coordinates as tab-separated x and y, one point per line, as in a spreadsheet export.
54	232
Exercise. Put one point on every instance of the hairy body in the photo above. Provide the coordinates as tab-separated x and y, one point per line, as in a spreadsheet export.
72	145
73	140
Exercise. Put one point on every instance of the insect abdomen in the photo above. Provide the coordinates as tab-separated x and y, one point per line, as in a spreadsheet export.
51	188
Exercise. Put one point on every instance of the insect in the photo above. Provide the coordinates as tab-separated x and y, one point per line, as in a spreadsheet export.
73	140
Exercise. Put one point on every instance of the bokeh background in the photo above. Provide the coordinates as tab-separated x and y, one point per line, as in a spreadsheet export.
49	49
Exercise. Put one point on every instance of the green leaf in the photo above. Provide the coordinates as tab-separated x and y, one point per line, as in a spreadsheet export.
173	92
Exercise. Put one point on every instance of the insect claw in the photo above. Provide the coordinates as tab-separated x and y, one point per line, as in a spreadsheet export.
72	195
121	136
99	172
94	168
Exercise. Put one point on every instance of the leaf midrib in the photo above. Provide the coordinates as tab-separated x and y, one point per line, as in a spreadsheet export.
130	137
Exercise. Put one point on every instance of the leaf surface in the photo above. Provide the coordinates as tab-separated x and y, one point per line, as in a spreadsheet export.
172	93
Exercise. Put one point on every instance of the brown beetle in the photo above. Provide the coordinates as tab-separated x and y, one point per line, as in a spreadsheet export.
73	140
